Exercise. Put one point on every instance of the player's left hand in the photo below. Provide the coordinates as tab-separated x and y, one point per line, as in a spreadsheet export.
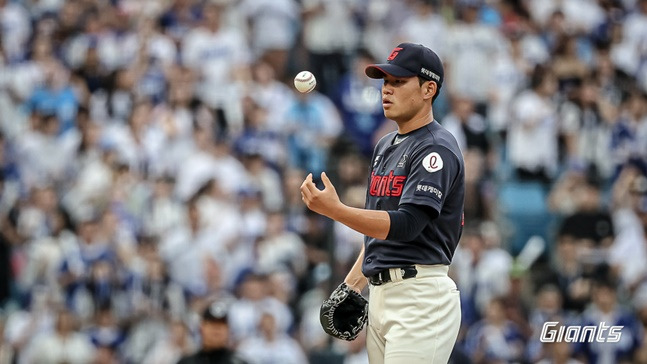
324	202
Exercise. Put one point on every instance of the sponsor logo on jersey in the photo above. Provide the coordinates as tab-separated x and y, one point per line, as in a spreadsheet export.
432	162
388	185
428	189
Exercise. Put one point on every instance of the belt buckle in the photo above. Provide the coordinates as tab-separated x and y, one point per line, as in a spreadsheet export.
409	272
377	279
380	281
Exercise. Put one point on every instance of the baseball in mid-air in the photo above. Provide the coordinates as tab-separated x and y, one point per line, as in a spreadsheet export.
305	81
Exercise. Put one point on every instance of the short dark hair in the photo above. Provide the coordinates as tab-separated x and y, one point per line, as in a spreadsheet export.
423	80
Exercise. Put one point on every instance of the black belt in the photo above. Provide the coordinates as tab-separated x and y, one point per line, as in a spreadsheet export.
384	275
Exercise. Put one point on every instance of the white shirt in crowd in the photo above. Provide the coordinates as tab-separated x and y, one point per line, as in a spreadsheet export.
509	80
423	28
42	158
16	29
582	15
470	46
186	255
282	350
201	166
628	54
275	97
628	253
484	277
532	139
118	50
321	33
281	251
215	57
53	349
245	316
274	23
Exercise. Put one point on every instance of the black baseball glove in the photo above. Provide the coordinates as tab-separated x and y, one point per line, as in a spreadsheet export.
344	314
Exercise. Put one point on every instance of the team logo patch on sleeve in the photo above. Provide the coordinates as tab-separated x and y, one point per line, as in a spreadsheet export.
432	162
428	189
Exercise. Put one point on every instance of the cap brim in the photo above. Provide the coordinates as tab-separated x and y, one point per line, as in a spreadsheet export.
211	318
380	70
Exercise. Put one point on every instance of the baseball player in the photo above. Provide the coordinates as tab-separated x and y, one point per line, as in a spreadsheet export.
412	221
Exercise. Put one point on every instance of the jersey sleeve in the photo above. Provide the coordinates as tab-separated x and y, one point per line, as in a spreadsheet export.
432	174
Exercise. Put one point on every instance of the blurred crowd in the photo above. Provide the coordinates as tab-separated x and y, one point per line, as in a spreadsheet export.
152	152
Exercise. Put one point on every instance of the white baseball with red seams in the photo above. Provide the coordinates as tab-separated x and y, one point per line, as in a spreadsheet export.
305	81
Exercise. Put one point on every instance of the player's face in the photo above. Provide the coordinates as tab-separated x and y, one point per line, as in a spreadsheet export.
402	98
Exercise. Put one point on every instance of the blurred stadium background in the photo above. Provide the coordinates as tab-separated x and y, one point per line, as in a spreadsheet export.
152	152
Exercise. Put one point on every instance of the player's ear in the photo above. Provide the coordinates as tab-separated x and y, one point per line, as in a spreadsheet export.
430	89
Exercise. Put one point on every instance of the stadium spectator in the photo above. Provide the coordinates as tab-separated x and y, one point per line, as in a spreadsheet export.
360	104
254	300
494	338
271	345
273	31
605	310
65	344
312	124
548	308
632	239
587	118
577	197
559	352
424	21
16	24
170	349
534	122
215	338
470	44
219	55
323	22
478	270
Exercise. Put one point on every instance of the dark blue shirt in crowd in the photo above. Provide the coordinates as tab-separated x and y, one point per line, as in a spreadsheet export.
360	106
601	349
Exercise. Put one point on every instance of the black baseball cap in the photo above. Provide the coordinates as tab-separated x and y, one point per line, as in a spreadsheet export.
216	312
410	60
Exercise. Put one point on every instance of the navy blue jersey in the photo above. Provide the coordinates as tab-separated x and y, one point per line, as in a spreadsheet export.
424	167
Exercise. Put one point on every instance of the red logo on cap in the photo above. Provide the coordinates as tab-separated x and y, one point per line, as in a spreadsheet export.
394	53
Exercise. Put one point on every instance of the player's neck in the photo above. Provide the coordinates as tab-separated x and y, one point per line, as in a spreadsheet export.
416	122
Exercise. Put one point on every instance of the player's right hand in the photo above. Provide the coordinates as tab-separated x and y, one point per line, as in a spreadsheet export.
325	201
